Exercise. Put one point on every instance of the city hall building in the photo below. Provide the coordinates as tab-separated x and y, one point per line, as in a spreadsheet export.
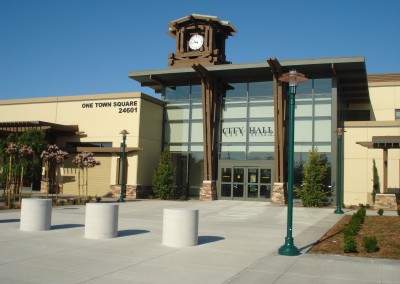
226	124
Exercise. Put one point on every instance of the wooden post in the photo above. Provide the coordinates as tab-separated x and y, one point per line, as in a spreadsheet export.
47	178
385	169
210	120
279	122
280	109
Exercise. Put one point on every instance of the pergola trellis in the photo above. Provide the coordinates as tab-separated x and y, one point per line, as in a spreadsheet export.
385	143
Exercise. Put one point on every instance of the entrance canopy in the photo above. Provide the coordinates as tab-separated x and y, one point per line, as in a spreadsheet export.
350	72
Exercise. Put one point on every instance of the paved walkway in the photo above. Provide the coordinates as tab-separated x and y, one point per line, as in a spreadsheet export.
238	243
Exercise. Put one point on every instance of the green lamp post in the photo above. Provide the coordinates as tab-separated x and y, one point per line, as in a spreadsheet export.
340	132
123	178
293	78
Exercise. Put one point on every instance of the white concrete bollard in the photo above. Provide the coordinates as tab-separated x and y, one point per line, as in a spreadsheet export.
180	227
101	220
35	214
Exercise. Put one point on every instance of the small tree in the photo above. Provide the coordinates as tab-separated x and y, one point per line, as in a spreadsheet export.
84	161
376	187
36	139
164	177
12	151
313	193
53	158
26	154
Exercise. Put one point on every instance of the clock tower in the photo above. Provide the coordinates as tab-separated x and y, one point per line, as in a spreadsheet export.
200	39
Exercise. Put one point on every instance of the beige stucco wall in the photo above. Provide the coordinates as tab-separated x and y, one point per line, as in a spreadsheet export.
385	98
358	160
150	131
101	118
97	180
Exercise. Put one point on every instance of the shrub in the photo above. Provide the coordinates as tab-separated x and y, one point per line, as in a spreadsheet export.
164	177
98	198
376	187
11	205
361	213
350	230
355	222
350	245
87	199
370	244
313	193
380	212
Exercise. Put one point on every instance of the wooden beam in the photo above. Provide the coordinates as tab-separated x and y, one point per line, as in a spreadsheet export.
333	67
158	80
204	113
204	73
209	85
385	169
279	122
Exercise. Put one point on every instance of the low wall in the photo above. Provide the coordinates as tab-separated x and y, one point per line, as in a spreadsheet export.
132	191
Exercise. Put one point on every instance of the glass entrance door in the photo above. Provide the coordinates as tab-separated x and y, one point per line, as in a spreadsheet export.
245	183
238	183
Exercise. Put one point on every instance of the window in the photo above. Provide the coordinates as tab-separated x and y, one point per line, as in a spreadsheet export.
89	144
177	93
397	114
359	115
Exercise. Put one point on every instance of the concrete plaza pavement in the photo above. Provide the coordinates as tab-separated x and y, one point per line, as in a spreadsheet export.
238	243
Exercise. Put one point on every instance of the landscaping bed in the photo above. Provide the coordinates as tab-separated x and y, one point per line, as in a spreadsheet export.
386	229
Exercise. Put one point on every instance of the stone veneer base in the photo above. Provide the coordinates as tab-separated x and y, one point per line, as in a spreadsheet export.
132	191
278	193
208	191
385	201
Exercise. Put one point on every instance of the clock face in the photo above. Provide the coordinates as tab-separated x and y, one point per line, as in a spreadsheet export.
196	42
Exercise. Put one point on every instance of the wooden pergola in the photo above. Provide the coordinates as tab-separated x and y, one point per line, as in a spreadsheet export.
22	126
385	143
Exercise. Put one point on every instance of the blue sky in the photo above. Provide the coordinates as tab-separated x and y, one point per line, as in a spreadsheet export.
75	47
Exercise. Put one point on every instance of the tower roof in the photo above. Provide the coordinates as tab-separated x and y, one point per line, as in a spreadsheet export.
224	26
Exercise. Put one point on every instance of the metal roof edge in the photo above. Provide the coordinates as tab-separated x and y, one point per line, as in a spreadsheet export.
72	98
324	60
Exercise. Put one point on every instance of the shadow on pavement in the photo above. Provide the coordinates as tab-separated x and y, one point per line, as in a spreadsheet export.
9	220
66	226
125	233
209	239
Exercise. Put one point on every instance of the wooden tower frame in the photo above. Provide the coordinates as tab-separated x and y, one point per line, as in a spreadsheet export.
211	29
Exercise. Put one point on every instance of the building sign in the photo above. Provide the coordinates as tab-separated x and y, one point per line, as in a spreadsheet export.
129	106
233	131
253	131
261	131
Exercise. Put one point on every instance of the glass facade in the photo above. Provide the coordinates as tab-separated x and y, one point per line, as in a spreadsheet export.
247	122
313	122
246	132
183	135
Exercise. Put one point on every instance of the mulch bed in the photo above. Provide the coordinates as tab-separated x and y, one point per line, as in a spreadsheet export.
385	228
